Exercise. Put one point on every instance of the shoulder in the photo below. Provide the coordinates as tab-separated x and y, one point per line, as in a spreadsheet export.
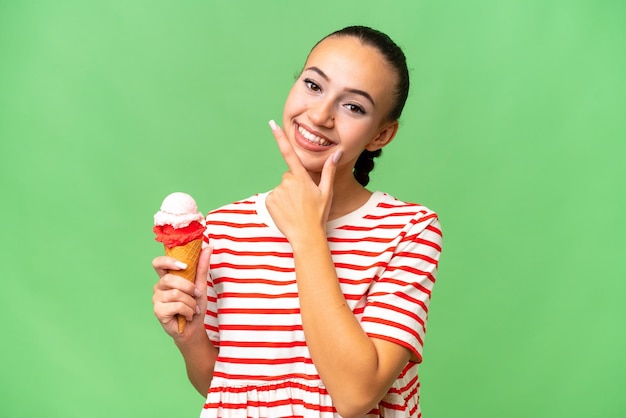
390	207
415	223
247	206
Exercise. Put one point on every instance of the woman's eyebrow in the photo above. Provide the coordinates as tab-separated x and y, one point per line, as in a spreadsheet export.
350	90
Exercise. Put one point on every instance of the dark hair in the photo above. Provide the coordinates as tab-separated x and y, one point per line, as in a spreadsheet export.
394	57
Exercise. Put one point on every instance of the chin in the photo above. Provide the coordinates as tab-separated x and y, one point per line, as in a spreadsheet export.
311	165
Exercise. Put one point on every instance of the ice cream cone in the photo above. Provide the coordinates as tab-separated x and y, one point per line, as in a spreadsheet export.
188	254
180	227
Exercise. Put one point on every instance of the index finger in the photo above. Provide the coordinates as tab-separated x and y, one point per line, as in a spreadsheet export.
204	265
290	156
163	264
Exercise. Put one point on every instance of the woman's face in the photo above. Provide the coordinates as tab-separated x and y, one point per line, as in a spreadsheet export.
340	101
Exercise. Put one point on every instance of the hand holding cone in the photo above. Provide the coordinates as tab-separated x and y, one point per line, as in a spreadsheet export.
180	227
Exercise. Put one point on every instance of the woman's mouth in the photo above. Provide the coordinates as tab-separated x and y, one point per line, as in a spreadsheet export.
314	139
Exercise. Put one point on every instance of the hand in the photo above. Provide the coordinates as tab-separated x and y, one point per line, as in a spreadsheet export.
297	203
174	295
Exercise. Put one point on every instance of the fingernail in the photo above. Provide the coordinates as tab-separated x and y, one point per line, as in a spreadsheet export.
197	309
197	293
180	265
337	156
273	125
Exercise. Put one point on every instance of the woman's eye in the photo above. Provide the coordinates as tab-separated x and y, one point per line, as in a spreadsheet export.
311	85
355	108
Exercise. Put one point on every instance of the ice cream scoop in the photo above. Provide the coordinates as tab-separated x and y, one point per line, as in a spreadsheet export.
180	227
178	210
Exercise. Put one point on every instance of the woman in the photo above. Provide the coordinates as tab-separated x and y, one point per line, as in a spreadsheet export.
318	291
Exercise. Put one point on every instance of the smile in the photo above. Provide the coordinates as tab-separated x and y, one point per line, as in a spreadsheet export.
313	138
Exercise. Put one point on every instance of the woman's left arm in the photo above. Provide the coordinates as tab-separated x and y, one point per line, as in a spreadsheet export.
357	370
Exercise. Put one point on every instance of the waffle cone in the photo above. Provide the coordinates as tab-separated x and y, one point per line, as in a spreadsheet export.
188	254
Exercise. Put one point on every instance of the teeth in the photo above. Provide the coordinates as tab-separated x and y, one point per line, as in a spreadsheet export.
313	138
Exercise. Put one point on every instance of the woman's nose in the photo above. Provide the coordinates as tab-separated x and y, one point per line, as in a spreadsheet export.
321	113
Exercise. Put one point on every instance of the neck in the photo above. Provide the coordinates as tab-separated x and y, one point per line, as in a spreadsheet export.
348	195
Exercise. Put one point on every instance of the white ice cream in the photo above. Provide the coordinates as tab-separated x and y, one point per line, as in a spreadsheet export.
179	210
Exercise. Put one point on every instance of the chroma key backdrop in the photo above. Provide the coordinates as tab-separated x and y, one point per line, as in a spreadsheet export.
514	132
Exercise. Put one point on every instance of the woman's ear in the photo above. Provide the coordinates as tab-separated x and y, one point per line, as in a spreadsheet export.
385	135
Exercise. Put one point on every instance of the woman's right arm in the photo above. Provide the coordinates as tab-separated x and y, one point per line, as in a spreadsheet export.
174	295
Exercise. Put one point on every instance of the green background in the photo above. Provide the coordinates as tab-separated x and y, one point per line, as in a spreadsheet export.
514	132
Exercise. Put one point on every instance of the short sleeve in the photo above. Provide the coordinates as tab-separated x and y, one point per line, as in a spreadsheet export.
398	300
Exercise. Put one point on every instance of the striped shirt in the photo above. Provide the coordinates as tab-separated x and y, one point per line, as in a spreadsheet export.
385	254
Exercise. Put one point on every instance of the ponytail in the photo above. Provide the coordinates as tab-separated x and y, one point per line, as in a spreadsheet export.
365	164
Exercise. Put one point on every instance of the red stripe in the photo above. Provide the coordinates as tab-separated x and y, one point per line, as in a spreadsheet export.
237	327
403	283
236	225
411	393
256	311
370	228
393	324
252	267
395	407
253	281
360	268
353	282
414	409
254	253
418	255
270	388
397	341
255	295
389	215
247	239
286	360
435	230
264	377
399	205
405	297
262	344
273	404
413	270
259	295
415	239
360	240
211	328
413	383
235	211
362	252
406	369
423	218
398	310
